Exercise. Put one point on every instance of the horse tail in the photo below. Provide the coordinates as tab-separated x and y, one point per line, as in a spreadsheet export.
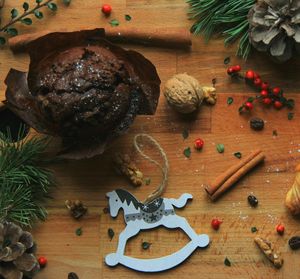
181	202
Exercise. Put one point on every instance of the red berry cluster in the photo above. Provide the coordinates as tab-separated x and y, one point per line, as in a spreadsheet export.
267	96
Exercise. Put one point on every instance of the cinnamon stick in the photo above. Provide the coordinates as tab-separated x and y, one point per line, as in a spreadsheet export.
227	181
217	183
161	37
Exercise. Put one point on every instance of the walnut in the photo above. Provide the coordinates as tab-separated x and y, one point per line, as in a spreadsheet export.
184	93
127	167
267	248
76	208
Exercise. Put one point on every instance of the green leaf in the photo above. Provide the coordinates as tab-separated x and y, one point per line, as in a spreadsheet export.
290	103
110	233
227	60
185	133
227	262
250	99
229	100
238	155
114	22
52	7
14	13
25	6
148	181
38	14
290	115
128	17
12	31
220	147
78	232
254	229
146	245
187	152
38	1
27	21
241	109
67	2
2	41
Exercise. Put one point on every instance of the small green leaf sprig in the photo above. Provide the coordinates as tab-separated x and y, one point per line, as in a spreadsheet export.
24	16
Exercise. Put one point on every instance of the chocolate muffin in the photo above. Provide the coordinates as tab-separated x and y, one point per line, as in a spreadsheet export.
84	89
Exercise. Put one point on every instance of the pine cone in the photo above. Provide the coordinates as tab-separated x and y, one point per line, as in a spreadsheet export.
275	28
16	258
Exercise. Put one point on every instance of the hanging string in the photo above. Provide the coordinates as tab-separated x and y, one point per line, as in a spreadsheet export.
164	169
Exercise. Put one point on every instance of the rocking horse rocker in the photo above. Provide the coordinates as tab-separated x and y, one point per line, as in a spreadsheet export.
139	216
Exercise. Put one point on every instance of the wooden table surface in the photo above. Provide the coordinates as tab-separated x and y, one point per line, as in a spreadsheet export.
89	180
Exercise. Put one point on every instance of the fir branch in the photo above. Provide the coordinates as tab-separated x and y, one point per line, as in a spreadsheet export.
24	17
24	184
227	18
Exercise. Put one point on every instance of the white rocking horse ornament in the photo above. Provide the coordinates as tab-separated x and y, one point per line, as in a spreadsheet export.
139	216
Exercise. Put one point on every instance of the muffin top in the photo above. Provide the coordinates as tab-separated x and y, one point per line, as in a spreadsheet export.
83	90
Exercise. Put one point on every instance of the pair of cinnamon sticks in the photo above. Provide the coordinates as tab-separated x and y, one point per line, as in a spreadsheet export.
227	179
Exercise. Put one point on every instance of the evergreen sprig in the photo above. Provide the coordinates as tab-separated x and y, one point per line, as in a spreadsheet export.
227	18
24	183
24	16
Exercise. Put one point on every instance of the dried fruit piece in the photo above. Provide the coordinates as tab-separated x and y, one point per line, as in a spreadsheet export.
73	275
257	124
294	242
253	201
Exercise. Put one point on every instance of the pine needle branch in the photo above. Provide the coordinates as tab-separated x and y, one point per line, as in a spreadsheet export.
227	18
24	184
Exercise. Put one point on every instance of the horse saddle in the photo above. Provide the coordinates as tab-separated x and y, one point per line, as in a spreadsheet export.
152	206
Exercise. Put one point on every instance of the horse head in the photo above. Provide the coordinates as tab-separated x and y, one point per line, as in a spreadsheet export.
114	203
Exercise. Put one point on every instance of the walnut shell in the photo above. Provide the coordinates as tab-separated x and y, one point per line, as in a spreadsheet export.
183	93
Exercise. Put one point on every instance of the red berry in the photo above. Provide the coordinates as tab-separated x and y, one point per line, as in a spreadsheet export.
278	104
106	9
42	261
276	90
256	75
280	229
257	82
230	71
237	68
215	223
265	85
267	101
264	93
248	105
198	144
249	74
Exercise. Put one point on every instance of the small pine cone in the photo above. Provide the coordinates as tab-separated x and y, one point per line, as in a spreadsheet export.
16	259
76	208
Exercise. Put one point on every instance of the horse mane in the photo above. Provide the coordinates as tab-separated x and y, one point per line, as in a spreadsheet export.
126	196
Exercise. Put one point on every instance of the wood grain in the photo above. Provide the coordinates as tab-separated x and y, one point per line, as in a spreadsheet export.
89	180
